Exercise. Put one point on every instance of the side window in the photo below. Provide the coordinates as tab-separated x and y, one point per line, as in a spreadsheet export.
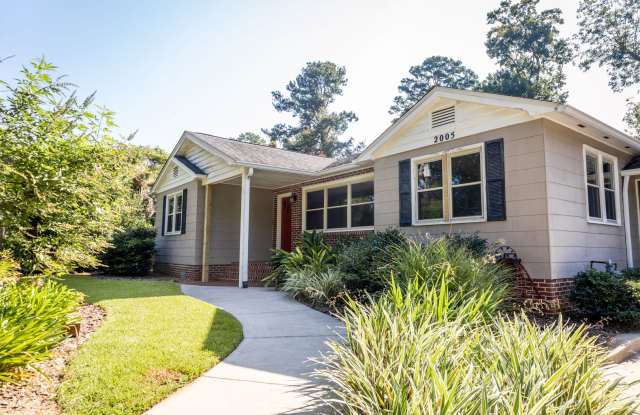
601	186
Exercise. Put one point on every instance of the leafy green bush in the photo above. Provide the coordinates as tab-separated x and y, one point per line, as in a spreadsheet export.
631	273
601	295
421	349
360	260
472	242
34	316
313	253
319	288
131	251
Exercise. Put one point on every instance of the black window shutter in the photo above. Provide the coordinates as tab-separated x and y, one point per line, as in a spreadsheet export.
494	164
164	213
184	211
404	186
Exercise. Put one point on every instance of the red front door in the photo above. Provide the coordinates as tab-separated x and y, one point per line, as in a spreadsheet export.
285	224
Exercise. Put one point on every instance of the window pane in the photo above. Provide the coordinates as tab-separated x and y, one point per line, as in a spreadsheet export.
170	204
362	192
430	174
607	173
467	201
170	223
593	196
610	203
362	215
314	219
430	204
178	222
592	169
337	196
465	169
337	218
179	203
315	199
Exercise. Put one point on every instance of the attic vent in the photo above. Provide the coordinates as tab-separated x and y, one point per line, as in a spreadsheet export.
175	172
443	116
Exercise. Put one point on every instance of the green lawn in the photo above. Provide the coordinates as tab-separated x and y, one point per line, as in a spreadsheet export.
154	340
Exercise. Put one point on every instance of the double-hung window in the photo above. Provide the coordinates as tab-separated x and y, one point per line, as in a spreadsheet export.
601	185
449	187
173	218
342	205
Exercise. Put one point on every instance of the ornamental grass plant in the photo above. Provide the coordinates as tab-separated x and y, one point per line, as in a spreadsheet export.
34	318
439	341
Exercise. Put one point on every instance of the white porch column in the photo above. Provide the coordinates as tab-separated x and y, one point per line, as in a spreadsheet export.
205	235
245	195
627	225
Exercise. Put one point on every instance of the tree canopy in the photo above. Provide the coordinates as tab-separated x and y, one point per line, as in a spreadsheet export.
609	36
250	137
529	51
318	130
434	70
66	184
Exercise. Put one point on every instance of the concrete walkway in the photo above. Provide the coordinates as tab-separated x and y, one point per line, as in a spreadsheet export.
269	372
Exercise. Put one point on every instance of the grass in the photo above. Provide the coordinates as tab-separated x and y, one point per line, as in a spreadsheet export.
154	340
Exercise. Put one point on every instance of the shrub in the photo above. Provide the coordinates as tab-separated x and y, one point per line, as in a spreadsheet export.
360	260
427	260
631	273
602	295
416	352
472	242
313	253
319	288
131	251
33	319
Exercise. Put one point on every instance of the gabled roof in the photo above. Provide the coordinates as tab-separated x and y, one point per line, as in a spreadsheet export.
257	155
534	108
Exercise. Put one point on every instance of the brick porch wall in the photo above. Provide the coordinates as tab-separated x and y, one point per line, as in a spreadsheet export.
296	209
550	295
224	274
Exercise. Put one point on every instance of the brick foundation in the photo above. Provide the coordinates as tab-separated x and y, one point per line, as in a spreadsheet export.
550	295
223	274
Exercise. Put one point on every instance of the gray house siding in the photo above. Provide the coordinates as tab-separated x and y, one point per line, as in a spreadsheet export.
633	219
526	227
224	232
574	242
186	248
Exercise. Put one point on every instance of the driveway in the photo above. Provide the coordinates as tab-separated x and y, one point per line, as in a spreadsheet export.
269	372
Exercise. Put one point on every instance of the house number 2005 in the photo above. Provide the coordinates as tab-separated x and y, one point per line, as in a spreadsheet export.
444	137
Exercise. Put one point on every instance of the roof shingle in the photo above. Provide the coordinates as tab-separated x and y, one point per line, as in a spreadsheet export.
242	152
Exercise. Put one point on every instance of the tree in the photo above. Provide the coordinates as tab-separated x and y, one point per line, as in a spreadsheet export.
529	51
609	36
62	185
318	130
252	138
434	70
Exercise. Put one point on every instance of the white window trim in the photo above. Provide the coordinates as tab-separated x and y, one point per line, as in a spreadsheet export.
279	218
166	213
616	185
329	185
446	156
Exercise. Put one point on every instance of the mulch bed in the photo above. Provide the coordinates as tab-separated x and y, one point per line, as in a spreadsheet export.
36	393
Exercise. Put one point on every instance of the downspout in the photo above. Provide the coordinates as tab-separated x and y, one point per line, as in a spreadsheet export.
627	225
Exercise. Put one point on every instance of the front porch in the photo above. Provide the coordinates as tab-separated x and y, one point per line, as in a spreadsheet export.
242	221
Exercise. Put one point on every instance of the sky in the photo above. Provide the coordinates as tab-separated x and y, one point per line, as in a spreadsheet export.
210	66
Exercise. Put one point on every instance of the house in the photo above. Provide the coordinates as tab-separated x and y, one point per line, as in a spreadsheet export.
554	183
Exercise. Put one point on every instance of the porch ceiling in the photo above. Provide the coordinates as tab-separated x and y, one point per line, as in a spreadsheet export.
265	179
